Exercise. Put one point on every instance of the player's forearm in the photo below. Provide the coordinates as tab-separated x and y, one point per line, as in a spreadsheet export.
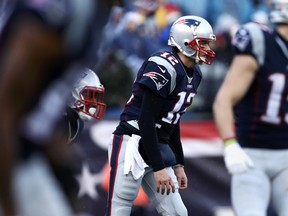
151	105
176	145
224	118
150	139
150	143
179	154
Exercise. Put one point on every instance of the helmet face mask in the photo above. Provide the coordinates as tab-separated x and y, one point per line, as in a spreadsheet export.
279	11
91	103
204	55
88	96
191	35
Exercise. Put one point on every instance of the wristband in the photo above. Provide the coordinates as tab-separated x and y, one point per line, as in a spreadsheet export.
229	141
178	165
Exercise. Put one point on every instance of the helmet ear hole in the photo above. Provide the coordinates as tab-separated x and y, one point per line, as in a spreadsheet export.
186	43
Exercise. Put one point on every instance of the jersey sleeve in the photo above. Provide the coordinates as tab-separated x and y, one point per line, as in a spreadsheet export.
159	76
249	40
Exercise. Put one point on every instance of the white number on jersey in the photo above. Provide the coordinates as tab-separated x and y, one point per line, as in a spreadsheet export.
174	115
274	101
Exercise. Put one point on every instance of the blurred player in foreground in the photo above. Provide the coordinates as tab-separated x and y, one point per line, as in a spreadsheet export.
85	103
256	85
43	45
146	148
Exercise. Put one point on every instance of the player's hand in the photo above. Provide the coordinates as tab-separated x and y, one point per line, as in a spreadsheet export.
181	176
236	160
164	182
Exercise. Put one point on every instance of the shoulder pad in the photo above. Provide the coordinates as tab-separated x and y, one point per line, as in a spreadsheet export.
251	33
160	60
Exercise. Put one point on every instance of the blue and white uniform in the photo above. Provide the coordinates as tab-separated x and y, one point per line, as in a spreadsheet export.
262	112
262	124
163	89
165	75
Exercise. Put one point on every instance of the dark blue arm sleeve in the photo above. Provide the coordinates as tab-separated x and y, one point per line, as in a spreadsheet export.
150	109
176	145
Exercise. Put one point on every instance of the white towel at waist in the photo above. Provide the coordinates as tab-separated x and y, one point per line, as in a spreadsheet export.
133	160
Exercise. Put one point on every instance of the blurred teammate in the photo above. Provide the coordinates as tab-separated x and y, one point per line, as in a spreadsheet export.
149	125
86	102
256	154
41	41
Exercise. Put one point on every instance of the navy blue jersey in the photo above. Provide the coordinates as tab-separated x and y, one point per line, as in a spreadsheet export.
165	75
73	125
261	116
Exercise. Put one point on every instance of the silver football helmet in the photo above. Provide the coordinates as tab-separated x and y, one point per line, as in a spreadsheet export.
189	34
88	96
279	11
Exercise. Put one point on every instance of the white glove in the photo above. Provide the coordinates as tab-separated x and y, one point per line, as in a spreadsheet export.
236	160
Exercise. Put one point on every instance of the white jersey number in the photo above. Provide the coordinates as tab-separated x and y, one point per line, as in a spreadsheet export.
174	115
272	115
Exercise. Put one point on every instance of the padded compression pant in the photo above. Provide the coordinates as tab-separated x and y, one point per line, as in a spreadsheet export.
123	189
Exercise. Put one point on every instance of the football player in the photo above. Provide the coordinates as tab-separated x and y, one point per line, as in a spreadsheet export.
86	103
146	148
41	41
254	97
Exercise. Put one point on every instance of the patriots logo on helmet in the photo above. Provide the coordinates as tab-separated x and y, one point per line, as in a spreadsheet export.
157	78
189	22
